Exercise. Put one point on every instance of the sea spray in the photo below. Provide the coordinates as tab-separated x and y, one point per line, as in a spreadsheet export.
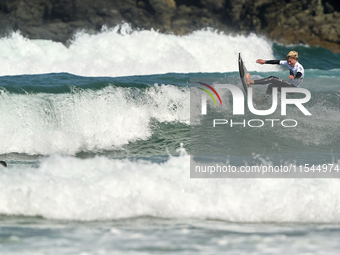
64	187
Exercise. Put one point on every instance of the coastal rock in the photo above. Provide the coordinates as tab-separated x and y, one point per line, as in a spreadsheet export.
312	22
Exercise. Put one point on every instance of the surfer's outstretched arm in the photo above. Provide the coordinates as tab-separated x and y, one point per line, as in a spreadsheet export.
260	61
272	62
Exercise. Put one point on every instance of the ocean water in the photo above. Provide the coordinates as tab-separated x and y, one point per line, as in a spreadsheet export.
91	134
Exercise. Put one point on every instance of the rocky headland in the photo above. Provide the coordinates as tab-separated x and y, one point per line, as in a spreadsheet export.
312	22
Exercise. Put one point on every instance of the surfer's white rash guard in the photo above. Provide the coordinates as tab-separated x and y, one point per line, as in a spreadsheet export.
297	71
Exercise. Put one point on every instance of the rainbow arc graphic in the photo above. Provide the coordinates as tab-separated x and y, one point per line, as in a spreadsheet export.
209	93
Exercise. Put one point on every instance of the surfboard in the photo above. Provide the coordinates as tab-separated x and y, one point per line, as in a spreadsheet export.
243	71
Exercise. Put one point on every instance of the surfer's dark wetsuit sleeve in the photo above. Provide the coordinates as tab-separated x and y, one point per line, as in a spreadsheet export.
298	75
272	62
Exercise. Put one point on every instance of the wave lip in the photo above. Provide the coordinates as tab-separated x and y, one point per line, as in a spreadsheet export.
87	120
123	52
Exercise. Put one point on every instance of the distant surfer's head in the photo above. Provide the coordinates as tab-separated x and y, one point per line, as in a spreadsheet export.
3	163
292	57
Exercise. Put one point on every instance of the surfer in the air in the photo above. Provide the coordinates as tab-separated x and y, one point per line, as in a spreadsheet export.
296	73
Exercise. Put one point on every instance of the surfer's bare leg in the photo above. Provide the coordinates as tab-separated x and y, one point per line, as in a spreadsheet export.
249	80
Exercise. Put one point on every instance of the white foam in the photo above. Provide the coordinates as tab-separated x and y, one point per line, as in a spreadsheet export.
127	52
64	187
87	120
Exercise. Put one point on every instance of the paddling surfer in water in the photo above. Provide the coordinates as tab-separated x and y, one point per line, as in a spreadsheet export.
296	73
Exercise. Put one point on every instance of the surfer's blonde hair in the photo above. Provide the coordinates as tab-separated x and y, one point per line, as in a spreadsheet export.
292	54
